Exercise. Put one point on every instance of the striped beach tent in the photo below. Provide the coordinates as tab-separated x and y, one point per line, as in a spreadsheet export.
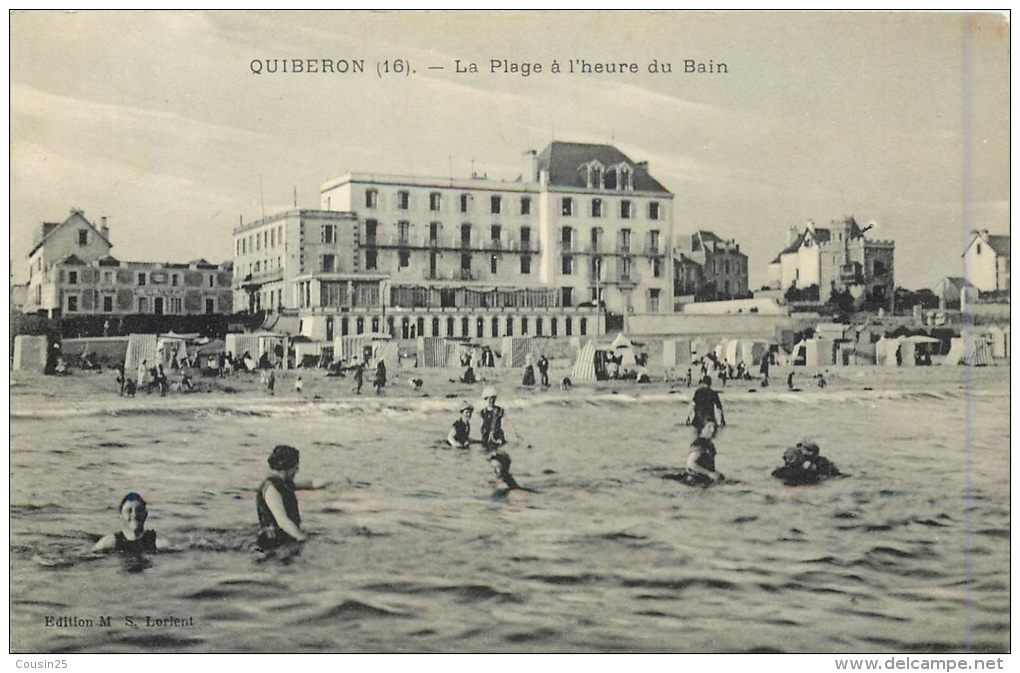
516	351
140	347
30	353
584	365
431	352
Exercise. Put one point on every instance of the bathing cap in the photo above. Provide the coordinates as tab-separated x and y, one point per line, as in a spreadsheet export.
490	391
284	457
131	497
809	447
466	406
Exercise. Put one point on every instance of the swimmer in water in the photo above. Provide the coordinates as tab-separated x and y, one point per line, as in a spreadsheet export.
500	461
276	503
803	464
459	435
703	406
132	538
700	468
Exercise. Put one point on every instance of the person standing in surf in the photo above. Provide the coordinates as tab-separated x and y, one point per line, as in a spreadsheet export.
703	406
276	503
459	435
132	538
492	421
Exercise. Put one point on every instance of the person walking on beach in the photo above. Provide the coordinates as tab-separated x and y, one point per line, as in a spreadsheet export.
132	538
276	502
789	381
380	377
543	370
529	372
703	406
359	376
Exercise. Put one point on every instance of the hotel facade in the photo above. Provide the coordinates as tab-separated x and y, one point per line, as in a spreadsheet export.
584	232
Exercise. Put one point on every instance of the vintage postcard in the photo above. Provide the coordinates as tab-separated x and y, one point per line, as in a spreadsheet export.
516	331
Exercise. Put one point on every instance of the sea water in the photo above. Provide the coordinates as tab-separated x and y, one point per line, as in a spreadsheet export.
409	551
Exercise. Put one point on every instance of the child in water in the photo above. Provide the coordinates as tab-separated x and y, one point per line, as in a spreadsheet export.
803	464
276	503
492	421
132	538
459	436
700	469
500	461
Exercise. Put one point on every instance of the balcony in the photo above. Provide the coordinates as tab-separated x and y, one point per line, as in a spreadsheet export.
568	247
623	249
653	250
473	244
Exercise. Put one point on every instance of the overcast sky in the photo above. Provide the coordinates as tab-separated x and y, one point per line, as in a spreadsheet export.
155	120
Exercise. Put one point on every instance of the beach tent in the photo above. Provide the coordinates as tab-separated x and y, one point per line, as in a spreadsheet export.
676	352
759	351
305	348
1000	341
140	347
805	353
167	345
623	347
239	344
970	350
29	353
268	344
431	352
516	351
731	351
720	351
584	365
354	346
908	349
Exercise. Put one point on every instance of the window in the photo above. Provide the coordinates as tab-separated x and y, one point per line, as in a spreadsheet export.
653	210
567	206
328	263
657	267
175	280
403	232
553	327
567	296
495	327
72	303
726	266
212	280
525	264
403	200
625	240
524	326
480	327
176	305
596	238
568	326
108	304
435	201
371	260
371	198
360	325
596	177
141	280
493	265
596	207
210	305
509	326
465	200
525	205
464	327
143	305
653	300
329	233
625	179
371	228
83	237
584	326
495	231
72	277
496	205
404	258
978	248
450	327
465	266
726	287
538	327
258	241
625	210
525	238
434	228
272	238
568	265
653	241
625	268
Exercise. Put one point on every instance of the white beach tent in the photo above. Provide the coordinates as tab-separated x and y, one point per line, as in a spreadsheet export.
140	347
623	346
30	353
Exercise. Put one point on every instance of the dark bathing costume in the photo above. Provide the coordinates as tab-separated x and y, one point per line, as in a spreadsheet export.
270	533
146	543
461	431
705	402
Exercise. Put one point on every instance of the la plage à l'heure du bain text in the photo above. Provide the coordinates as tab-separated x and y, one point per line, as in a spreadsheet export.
402	67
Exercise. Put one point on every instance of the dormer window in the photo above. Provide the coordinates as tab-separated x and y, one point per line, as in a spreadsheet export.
596	177
626	182
83	237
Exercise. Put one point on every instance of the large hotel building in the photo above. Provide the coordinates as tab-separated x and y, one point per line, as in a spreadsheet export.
478	258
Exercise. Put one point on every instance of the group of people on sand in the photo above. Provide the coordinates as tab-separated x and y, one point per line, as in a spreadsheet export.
151	378
802	464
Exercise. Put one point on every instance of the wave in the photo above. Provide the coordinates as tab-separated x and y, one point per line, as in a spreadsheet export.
396	407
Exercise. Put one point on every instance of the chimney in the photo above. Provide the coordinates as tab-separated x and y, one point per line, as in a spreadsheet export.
792	234
530	172
811	225
103	228
643	165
